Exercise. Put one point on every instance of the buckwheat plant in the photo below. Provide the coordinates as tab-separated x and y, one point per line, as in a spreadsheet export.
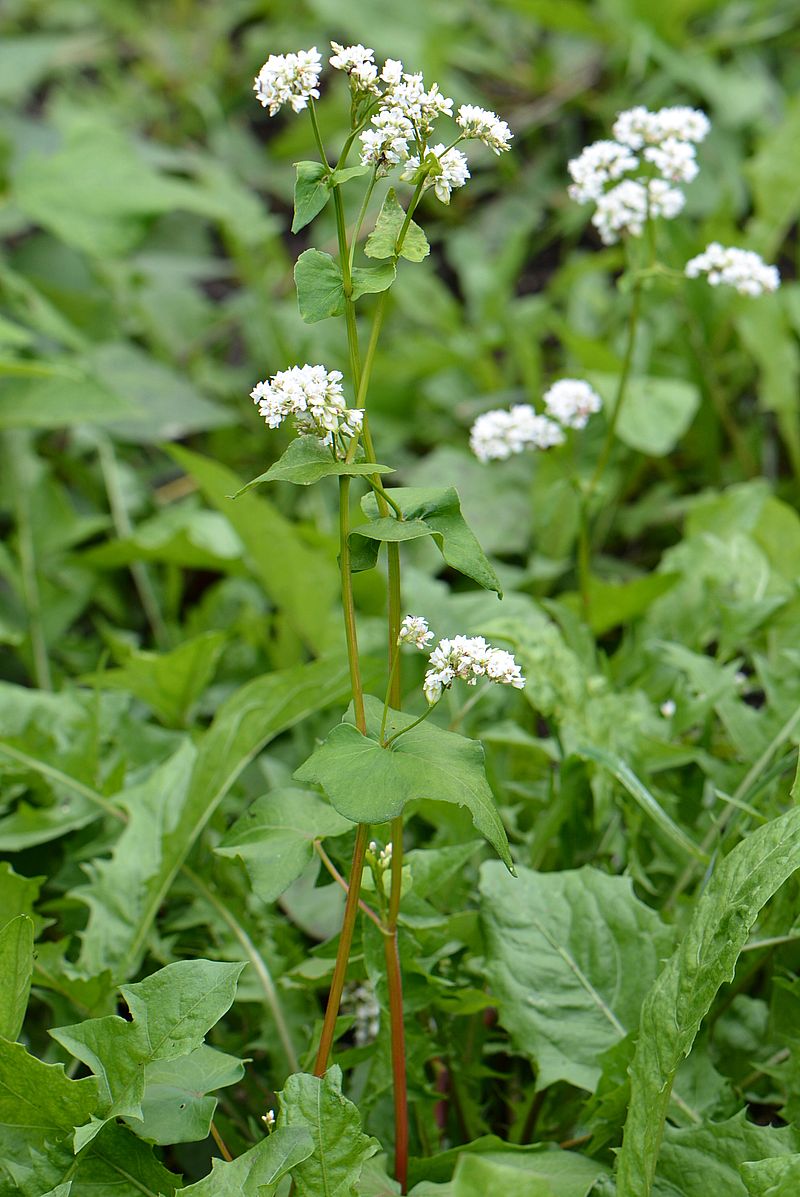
633	181
405	139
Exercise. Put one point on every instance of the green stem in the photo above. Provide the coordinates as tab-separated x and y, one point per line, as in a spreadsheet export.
367	197
395	986
633	322
343	953
339	879
260	966
584	557
389	687
348	604
403	731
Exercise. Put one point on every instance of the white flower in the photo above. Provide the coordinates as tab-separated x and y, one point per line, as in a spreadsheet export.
453	171
314	397
571	401
668	708
598	164
414	630
359	63
469	658
742	269
638	126
486	126
675	160
269	1120
289	79
387	143
360	1000
625	208
496	435
392	72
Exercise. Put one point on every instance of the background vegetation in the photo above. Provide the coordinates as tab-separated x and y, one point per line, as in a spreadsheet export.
155	636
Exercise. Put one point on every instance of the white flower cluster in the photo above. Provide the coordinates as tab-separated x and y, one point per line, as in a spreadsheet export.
289	79
381	856
571	401
314	397
485	126
414	630
742	269
632	178
359	64
450	171
496	435
469	658
360	1000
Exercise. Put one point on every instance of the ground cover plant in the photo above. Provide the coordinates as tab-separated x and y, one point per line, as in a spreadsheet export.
399	753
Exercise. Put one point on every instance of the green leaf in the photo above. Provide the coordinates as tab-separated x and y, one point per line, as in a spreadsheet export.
775	178
776	1177
565	1173
615	603
16	970
311	193
171	683
382	241
369	280
682	995
348	172
711	1158
643	797
275	838
569	957
656	411
318	279
256	1172
475	1176
371	784
307	460
169	813
307	582
171	1011
115	1162
175	1108
340	1146
427	511
61	403
37	1097
767	336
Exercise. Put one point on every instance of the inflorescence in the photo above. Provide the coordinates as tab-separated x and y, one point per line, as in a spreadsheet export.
742	269
314	397
632	178
497	435
467	657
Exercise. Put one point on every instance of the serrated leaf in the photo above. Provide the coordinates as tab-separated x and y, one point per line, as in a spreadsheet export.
311	193
307	460
171	1012
318	279
699	1160
776	1177
334	1123
371	784
569	1174
682	995
175	1105
275	838
16	971
369	280
37	1097
570	957
427	511
127	891
382	241
256	1172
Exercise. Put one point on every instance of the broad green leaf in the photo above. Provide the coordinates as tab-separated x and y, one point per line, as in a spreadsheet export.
340	1147
311	193
115	1162
38	1101
375	1180
275	838
305	585
569	957
369	280
371	784
699	1160
614	603
171	683
776	1177
643	797
17	893
61	403
16	970
656	412
476	1176
182	534
765	333
682	995
338	177
427	511
175	1108
318	279
127	891
774	175
565	1173
382	241
256	1172
171	1012
307	460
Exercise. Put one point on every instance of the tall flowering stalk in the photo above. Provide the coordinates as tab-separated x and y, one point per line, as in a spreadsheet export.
394	120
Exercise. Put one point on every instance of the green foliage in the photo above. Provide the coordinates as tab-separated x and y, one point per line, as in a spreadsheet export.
257	1172
306	461
382	241
317	1105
